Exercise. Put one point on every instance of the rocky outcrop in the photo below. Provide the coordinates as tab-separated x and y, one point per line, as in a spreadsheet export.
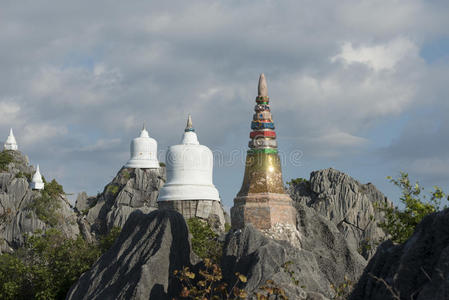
138	189
18	215
141	262
323	258
130	190
347	203
417	269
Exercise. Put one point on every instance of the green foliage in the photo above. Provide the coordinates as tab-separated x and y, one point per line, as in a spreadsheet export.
108	240
45	267
112	189
48	203
48	265
227	227
24	175
5	159
161	164
296	181
126	175
343	290
400	224
204	241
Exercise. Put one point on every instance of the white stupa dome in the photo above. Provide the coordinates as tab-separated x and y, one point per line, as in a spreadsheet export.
11	143
36	182
189	170
143	152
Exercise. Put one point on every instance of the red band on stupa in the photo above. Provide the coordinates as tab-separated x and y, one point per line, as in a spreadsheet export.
268	133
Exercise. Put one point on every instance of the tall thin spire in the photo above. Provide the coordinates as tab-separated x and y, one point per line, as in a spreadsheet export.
262	88
189	126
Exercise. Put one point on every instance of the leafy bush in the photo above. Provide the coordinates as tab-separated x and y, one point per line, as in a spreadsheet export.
400	224
108	240
296	181
204	241
48	265
112	189
161	164
5	159
24	175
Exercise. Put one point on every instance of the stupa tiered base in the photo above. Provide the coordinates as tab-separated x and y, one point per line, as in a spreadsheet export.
263	210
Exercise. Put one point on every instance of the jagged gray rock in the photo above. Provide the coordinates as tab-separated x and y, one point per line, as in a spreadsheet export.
138	189
141	262
17	216
130	190
324	258
417	269
347	203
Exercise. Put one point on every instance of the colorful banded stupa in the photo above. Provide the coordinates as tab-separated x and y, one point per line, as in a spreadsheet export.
262	200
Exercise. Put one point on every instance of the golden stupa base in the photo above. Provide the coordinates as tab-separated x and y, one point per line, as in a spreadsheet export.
263	210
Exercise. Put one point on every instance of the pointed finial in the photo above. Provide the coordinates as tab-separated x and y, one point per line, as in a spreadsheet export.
189	126
37	169
10	132
143	127
262	89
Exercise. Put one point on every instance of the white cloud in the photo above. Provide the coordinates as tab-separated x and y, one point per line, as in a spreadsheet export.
9	111
379	57
39	133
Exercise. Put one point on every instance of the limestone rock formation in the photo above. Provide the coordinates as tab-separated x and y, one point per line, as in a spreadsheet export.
324	258
417	269
347	203
140	264
130	190
18	216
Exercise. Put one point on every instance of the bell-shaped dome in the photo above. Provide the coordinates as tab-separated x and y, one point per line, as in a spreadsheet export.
143	152
36	182
11	143
189	170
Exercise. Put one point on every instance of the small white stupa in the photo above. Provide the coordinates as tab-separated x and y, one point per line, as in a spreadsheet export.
143	152
189	170
37	183
11	143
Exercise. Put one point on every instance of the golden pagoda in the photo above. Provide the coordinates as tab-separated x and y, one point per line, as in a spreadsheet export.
262	200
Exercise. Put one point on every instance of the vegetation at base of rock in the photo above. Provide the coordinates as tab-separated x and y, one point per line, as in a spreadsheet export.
5	159
48	203
399	224
48	265
343	290
208	283
161	164
204	241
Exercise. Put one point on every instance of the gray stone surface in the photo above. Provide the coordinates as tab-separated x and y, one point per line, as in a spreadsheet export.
417	269
208	210
324	258
140	264
16	216
347	203
130	190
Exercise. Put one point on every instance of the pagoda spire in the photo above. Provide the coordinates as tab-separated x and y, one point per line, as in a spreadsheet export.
262	88
189	126
262	200
11	143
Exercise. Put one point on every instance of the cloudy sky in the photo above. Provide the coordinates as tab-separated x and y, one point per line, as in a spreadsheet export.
361	86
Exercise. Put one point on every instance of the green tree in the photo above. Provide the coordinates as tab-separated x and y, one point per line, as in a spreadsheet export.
400	223
204	241
48	265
